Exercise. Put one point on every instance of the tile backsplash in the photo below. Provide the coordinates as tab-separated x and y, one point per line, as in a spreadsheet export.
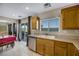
64	34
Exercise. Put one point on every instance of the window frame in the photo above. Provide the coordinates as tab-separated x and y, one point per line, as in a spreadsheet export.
48	23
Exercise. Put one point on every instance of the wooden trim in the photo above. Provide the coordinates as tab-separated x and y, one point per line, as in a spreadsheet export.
76	4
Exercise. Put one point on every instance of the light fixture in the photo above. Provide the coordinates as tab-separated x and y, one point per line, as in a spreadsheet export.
27	8
13	14
46	5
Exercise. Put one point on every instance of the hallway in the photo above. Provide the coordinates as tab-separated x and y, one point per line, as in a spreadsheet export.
20	49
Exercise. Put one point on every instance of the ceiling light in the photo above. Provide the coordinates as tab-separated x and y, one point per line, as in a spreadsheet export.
13	14
46	5
27	8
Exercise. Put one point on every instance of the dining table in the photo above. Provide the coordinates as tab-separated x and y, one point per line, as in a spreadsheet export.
6	40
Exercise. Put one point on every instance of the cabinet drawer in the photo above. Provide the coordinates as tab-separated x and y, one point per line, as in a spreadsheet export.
61	44
49	42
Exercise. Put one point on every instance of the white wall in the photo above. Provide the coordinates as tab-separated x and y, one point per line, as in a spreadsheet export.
5	21
57	13
24	20
50	14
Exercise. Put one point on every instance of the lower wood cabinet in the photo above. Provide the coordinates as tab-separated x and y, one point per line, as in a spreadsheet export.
72	50
60	51
40	49
60	48
48	47
45	47
40	46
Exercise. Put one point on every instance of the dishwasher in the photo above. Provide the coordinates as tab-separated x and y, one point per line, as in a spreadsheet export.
32	43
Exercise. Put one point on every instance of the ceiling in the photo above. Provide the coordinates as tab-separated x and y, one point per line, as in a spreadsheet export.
22	10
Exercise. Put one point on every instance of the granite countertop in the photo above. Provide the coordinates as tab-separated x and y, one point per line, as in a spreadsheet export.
69	39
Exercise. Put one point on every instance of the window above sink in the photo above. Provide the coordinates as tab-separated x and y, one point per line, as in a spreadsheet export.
50	25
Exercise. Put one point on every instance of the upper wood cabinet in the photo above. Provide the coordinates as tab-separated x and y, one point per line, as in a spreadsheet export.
70	17
35	22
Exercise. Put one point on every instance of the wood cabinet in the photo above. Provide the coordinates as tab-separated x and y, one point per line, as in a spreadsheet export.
35	22
48	47
72	50
45	47
70	17
40	46
60	48
78	17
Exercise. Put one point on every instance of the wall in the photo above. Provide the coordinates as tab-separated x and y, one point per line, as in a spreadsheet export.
49	14
4	21
3	28
7	20
24	20
57	13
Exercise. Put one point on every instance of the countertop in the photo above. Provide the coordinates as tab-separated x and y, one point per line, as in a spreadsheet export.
74	40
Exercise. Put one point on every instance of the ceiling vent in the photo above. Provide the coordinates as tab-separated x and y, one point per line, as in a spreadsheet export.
19	16
47	5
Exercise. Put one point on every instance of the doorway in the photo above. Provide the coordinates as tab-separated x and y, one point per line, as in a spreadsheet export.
24	31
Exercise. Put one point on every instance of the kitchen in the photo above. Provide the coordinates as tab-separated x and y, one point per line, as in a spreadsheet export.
53	43
53	31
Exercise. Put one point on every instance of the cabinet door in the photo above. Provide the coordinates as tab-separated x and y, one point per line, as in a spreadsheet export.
69	18
77	16
49	48
72	50
34	22
60	49
40	46
40	49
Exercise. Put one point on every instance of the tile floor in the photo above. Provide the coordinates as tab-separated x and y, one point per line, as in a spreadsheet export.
20	49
